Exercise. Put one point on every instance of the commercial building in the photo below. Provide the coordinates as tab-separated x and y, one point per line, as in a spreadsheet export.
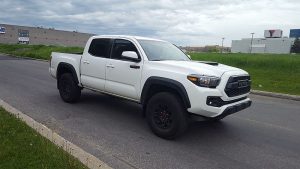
262	45
273	42
39	35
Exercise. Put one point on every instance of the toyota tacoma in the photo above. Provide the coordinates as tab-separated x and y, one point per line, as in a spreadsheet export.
172	88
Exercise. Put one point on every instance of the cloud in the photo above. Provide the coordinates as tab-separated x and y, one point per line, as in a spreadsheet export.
185	22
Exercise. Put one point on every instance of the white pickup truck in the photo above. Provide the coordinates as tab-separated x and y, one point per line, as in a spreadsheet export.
170	86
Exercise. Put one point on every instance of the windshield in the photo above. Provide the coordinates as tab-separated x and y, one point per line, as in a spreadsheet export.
158	50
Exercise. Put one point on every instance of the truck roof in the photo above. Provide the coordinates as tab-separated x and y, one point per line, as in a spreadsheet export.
126	36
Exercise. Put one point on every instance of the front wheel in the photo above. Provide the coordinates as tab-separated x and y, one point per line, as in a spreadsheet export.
68	89
166	115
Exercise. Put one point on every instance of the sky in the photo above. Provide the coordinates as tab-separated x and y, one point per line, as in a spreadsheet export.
184	22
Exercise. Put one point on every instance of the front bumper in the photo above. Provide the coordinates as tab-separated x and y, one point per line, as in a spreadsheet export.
213	102
235	108
225	110
228	110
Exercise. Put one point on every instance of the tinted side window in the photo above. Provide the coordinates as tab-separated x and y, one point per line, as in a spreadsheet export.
100	47
120	46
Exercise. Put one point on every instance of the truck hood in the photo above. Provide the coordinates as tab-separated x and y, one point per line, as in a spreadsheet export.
203	68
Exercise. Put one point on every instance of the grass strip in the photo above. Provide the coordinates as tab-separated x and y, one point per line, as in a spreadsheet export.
36	51
22	147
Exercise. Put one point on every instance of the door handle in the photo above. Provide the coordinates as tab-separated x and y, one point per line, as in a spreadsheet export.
110	66
86	62
134	66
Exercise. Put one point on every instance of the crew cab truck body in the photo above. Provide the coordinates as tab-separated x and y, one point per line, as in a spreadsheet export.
171	87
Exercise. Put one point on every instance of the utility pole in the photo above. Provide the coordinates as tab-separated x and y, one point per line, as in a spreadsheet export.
251	42
222	45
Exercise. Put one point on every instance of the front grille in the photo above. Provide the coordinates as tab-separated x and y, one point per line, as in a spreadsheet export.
238	85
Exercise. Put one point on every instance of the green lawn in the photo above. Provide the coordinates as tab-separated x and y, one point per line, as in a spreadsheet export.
22	147
269	72
36	51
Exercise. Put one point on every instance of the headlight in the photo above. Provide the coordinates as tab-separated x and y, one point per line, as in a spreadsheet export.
204	81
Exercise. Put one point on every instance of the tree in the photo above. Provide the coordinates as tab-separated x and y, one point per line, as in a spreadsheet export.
296	46
213	49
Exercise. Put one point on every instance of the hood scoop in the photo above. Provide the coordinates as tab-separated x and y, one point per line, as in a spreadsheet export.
208	62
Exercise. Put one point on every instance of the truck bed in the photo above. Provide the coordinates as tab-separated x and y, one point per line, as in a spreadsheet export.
65	58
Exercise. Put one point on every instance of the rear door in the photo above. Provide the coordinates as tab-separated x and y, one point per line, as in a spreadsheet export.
123	76
93	63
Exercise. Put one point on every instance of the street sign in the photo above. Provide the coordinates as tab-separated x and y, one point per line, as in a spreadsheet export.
2	30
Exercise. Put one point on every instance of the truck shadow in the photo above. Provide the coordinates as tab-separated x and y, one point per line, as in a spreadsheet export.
129	115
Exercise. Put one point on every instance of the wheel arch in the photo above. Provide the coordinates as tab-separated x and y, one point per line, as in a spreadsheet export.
154	85
66	68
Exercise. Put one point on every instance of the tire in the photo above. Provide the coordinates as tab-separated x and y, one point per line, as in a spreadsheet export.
68	89
166	115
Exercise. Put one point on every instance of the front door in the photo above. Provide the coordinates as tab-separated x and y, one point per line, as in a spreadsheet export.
122	75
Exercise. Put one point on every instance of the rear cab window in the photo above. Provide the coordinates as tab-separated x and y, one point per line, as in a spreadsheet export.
100	47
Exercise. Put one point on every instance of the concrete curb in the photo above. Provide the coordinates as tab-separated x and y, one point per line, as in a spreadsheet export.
276	95
86	158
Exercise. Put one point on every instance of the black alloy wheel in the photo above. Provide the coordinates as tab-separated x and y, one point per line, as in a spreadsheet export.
166	115
68	89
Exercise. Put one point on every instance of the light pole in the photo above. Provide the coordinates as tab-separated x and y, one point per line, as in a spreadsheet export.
222	45
251	42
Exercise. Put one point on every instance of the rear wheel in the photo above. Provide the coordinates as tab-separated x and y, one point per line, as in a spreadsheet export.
68	89
166	115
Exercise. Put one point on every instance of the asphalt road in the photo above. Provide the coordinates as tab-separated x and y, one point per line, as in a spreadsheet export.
267	135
